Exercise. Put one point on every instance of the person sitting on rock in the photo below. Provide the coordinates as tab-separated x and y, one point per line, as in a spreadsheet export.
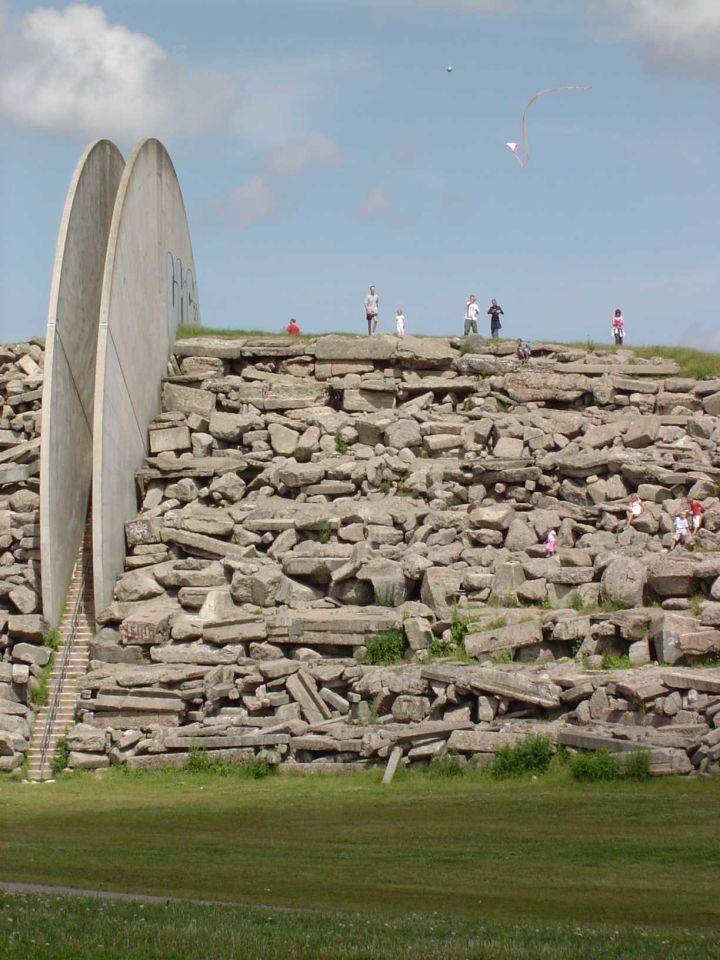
551	543
634	510
682	530
293	327
696	509
522	350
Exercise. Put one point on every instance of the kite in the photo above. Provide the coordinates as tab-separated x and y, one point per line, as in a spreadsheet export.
515	147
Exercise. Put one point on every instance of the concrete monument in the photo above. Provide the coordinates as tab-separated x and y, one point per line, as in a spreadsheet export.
69	378
148	289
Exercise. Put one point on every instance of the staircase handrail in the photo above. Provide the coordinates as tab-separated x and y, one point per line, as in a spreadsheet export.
63	665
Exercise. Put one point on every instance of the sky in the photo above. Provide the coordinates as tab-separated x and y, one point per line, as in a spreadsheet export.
324	145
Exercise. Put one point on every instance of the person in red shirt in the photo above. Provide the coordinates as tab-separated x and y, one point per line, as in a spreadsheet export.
696	509
292	327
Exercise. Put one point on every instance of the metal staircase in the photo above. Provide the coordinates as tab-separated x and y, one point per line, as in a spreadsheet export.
71	661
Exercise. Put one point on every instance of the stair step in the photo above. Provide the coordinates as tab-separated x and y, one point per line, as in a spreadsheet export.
71	658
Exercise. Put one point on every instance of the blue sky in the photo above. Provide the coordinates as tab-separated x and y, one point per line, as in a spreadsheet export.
322	145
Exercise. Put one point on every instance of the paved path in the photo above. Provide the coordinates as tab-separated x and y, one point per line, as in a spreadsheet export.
13	887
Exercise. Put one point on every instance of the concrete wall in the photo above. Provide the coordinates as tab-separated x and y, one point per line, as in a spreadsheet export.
148	288
69	377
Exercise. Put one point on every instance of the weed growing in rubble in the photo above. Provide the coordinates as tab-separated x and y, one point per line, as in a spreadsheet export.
340	443
593	765
615	661
385	648
325	532
611	605
448	764
503	656
532	755
385	486
60	760
384	595
200	761
696	602
636	765
40	693
52	639
576	601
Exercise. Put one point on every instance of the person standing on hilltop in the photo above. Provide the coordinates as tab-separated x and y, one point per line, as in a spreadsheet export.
293	328
400	322
495	311
472	312
618	327
372	304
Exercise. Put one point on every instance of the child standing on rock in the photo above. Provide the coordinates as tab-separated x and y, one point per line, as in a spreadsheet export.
618	327
400	322
551	543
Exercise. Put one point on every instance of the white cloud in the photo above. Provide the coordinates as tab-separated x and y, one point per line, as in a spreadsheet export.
681	35
278	94
378	204
317	149
253	201
70	70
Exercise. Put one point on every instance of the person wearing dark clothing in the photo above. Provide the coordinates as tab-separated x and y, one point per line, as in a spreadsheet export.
495	311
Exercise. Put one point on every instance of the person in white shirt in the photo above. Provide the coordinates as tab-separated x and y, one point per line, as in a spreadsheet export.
372	303
682	529
472	312
400	322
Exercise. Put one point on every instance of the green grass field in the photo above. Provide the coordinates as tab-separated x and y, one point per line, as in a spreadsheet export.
514	856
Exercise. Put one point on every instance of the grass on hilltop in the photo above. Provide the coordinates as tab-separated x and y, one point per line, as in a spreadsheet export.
188	330
697	364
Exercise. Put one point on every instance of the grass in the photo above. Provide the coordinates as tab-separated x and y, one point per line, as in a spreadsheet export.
385	648
611	605
531	755
698	364
200	762
40	693
593	766
464	848
636	765
455	646
696	602
615	661
53	927
60	759
196	330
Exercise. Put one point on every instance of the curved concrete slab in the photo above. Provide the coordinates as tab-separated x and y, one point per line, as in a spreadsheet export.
69	377
148	289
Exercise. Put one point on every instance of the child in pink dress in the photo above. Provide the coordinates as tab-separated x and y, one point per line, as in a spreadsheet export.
551	543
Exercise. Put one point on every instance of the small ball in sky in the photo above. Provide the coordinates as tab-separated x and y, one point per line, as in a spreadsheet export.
449	69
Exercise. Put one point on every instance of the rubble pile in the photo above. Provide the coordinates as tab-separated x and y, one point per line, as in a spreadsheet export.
22	627
311	510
